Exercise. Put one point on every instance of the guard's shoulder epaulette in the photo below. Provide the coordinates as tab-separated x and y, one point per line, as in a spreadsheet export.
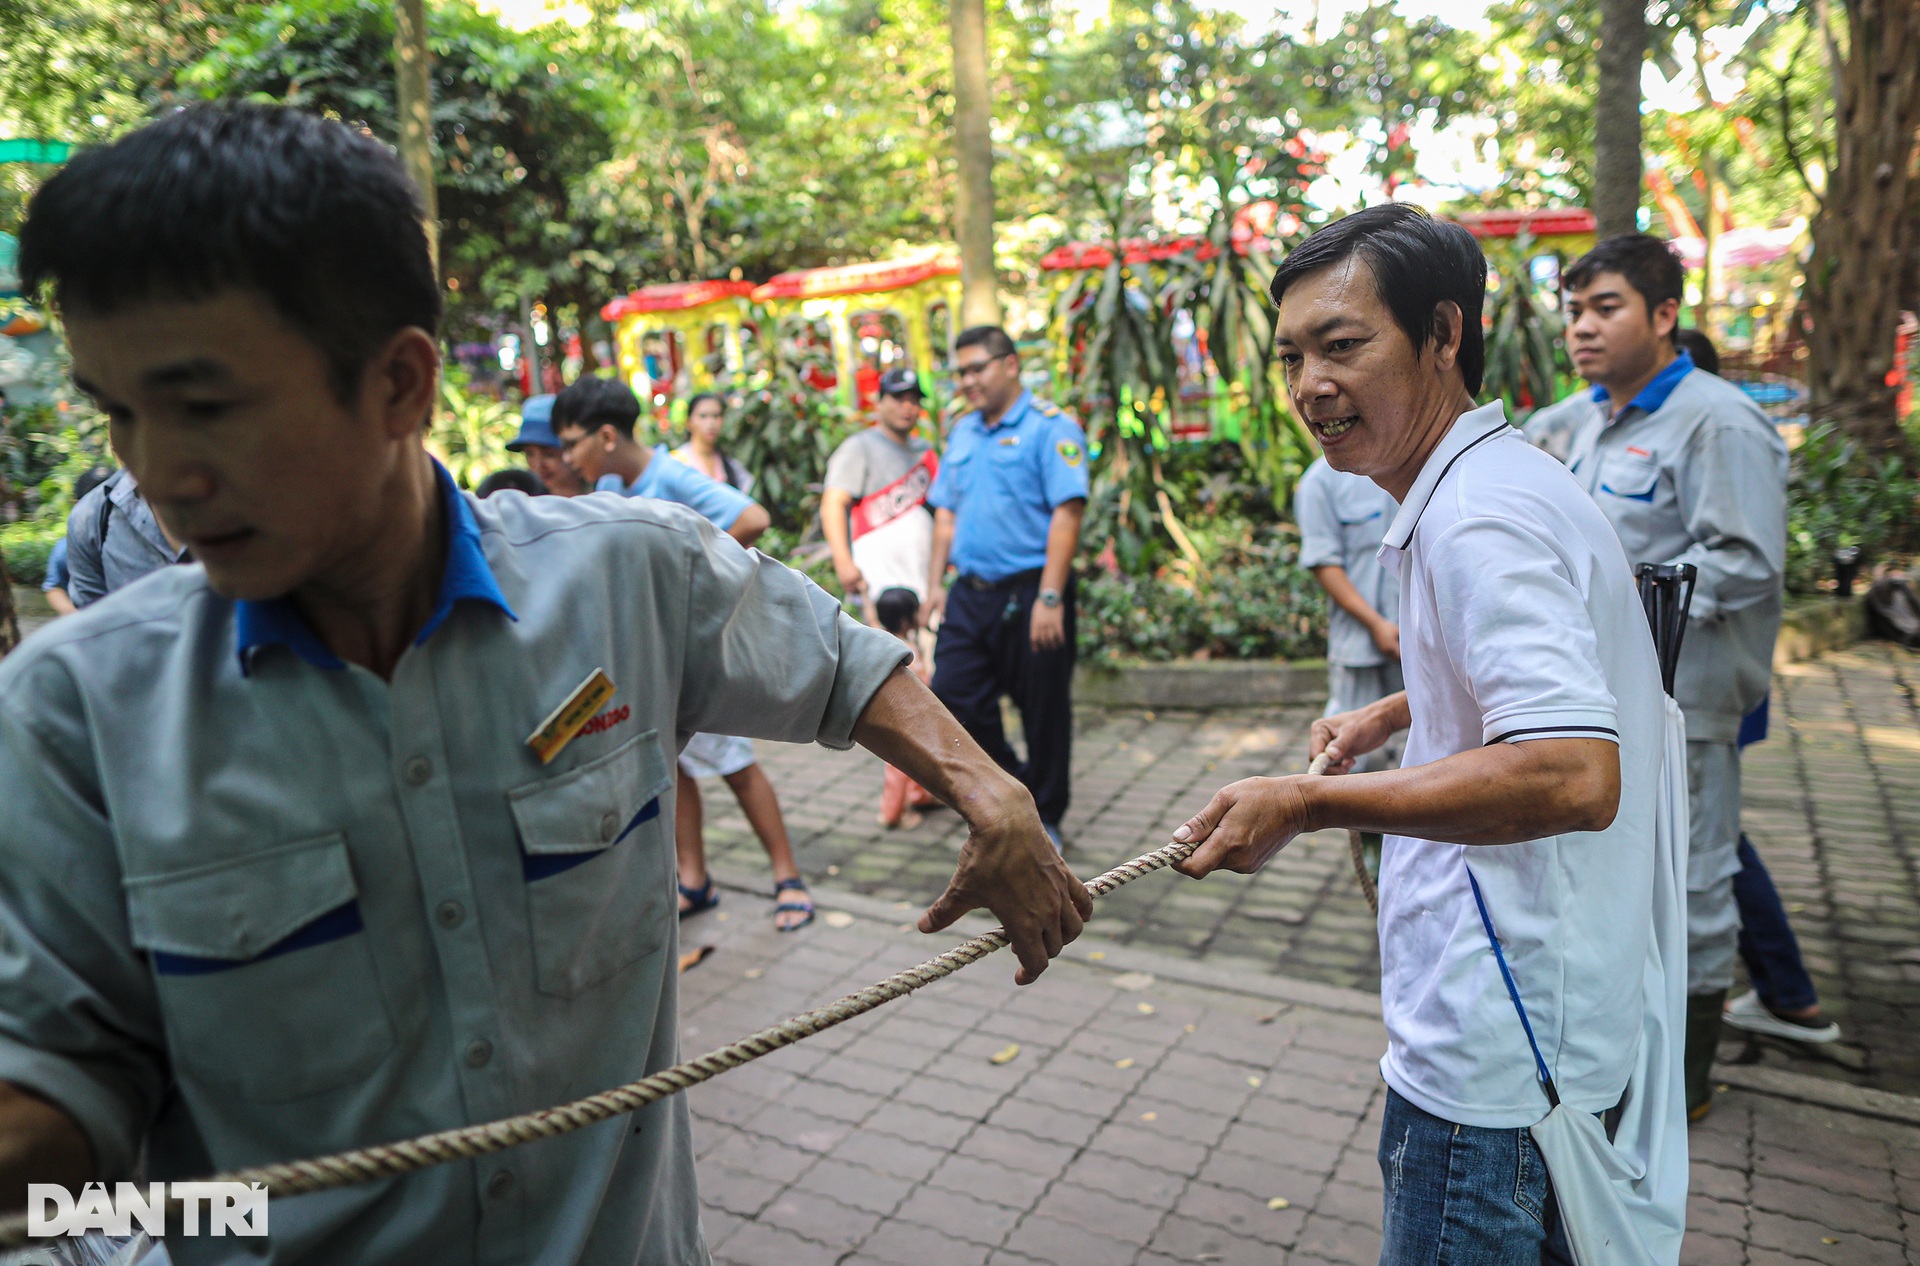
1048	409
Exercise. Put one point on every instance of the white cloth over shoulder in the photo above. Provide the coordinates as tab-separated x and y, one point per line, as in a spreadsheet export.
1624	1202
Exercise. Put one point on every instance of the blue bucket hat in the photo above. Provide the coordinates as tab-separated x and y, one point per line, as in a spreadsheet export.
536	425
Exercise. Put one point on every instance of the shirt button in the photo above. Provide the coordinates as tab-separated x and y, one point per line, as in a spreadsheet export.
499	1185
479	1051
609	827
417	771
450	914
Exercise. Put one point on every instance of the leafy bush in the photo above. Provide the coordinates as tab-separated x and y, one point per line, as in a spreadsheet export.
1256	602
1838	496
471	430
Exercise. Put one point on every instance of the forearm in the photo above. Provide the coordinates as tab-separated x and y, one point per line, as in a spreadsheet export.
57	599
39	1143
833	526
906	726
752	522
1063	541
1340	589
942	545
1506	793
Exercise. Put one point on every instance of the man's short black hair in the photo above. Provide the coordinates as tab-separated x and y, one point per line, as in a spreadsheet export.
1697	345
991	337
320	219
1417	262
897	609
511	479
1648	264
591	403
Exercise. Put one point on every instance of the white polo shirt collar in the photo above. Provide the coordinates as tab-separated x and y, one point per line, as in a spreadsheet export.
1470	429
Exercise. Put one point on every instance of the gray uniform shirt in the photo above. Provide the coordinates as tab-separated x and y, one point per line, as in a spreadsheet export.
1343	519
255	908
869	460
131	546
1700	476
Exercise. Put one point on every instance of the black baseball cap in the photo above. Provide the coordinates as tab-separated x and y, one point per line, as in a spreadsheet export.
899	382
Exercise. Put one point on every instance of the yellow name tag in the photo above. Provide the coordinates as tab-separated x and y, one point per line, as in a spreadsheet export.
566	720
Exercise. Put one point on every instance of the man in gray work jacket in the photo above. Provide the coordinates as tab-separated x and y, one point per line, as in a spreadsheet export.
360	826
1688	470
113	539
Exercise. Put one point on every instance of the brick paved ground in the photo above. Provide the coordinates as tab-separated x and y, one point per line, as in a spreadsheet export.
1833	802
1142	1121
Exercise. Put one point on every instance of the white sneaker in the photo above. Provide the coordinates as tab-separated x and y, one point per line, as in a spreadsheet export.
1749	1013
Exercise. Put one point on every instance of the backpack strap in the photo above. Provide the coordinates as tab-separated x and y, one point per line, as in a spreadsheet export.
1513	991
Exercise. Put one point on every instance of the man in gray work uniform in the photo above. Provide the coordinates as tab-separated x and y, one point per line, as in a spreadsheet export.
1688	470
113	539
359	827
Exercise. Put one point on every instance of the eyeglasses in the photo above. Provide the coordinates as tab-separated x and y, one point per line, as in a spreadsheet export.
973	369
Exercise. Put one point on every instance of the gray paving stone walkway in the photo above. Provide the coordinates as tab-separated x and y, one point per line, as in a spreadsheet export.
1832	803
1137	1119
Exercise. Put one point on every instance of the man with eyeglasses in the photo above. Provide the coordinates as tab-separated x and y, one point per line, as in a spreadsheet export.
1007	508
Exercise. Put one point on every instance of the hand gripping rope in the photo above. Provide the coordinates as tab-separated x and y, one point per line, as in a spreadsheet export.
389	1160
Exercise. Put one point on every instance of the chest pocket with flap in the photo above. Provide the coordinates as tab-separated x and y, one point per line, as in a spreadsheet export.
264	971
598	865
1630	477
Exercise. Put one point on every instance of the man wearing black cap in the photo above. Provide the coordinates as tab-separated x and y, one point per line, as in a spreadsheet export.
874	508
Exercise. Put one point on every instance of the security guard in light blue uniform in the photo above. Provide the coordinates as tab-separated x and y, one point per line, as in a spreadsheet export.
1007	508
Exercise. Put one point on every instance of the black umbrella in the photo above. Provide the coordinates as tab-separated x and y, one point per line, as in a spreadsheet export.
1666	591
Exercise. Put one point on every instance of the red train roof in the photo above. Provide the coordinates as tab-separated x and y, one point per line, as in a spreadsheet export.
849	279
676	296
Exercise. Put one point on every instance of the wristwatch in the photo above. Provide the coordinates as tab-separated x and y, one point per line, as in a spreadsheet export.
1049	597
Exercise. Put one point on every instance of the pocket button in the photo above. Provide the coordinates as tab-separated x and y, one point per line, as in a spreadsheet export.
609	827
417	771
451	914
479	1051
500	1184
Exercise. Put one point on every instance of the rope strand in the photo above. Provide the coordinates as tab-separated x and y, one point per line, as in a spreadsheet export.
390	1160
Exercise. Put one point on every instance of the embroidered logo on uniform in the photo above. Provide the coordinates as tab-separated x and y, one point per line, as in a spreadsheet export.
606	720
1638	452
1008	441
1070	452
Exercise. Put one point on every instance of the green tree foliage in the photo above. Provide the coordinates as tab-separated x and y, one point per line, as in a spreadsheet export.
514	129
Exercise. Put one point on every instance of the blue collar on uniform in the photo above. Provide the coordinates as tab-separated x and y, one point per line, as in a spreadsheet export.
1655	393
467	576
1015	414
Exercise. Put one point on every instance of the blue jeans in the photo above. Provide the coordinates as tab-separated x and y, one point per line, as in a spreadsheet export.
1462	1195
1767	943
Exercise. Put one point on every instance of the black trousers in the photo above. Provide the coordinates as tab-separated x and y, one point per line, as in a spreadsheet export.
984	652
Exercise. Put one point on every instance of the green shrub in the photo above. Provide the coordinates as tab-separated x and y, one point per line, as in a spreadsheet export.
1255	602
26	545
1838	497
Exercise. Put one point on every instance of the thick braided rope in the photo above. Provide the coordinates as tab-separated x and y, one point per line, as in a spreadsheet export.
389	1160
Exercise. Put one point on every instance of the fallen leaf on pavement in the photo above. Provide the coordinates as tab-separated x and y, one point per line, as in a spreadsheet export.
754	973
1254	1082
1096	955
1144	1008
1149	1116
837	919
1279	1202
1006	1054
693	956
1123	1063
1133	981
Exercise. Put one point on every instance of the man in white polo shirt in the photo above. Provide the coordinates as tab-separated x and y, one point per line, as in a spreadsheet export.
1535	750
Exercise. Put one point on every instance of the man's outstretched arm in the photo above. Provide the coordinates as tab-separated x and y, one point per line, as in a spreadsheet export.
39	1143
1008	865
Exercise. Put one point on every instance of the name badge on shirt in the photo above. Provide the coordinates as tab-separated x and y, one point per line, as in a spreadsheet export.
567	720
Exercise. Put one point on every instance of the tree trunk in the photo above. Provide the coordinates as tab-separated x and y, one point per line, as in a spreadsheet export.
413	83
9	624
973	149
1617	172
1864	237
